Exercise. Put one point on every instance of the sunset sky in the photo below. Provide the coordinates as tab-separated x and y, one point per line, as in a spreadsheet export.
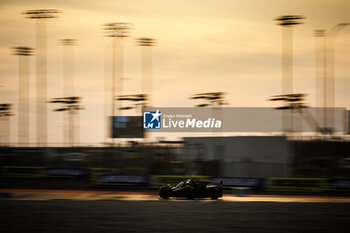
202	46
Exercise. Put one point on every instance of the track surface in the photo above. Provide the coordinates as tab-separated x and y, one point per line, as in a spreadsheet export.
171	216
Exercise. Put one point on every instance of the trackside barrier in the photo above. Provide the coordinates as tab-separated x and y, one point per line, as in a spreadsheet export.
109	176
67	172
239	182
297	184
339	185
23	172
97	172
106	176
162	180
42	172
122	180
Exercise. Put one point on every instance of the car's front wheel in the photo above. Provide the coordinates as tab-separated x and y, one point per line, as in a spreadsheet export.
165	192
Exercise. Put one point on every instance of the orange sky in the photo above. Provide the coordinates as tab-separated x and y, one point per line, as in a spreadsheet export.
203	46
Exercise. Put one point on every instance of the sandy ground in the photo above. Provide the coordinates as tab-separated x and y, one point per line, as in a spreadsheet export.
171	216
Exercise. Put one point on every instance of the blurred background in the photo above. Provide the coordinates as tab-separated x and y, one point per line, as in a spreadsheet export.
73	74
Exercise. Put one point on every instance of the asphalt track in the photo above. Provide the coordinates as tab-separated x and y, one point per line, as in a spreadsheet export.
170	216
115	211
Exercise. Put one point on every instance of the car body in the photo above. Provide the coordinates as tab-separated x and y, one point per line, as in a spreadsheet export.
192	189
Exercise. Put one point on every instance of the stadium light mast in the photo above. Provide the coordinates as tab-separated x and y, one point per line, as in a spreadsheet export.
287	22
320	40
329	75
118	31
321	73
67	81
41	16
332	35
146	44
23	93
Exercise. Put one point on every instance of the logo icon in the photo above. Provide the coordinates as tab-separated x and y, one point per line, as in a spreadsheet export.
151	120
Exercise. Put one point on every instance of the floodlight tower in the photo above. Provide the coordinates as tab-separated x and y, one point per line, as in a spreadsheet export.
23	93
321	73
332	35
319	59
118	31
41	16
287	22
67	80
146	67
328	75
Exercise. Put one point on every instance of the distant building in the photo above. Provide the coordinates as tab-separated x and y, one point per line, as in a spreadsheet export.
267	156
244	156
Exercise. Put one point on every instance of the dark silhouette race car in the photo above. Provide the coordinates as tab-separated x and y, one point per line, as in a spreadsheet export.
192	189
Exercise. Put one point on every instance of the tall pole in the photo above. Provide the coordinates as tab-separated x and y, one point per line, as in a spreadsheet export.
41	16
331	43
23	93
41	83
320	37
118	31
113	75
120	73
319	34
68	66
68	87
71	126
287	60
146	66
325	66
106	94
328	76
287	22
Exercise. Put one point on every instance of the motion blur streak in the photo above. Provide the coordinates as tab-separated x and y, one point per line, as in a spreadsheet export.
38	194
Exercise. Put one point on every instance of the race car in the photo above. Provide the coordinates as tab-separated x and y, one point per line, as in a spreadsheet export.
192	189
